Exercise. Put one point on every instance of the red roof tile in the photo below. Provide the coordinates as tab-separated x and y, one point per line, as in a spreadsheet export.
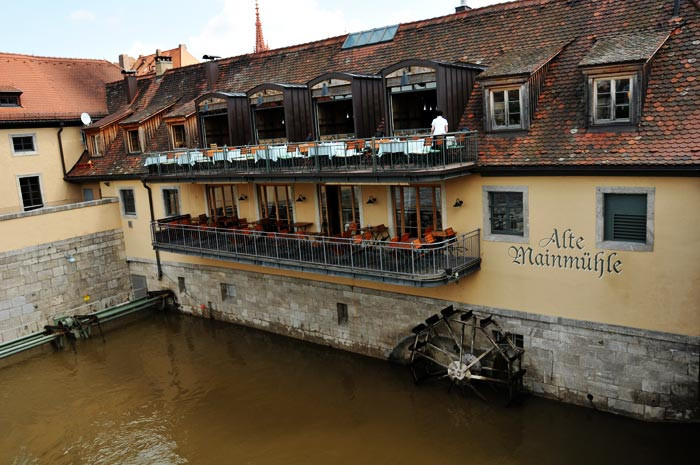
55	88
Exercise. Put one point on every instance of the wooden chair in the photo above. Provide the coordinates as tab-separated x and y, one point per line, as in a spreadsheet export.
450	233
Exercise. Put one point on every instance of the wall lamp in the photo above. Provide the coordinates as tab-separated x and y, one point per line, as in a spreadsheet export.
301	198
458	203
371	200
243	197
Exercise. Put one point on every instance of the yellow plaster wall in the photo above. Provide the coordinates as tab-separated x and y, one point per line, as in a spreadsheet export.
657	290
305	212
29	231
377	213
46	163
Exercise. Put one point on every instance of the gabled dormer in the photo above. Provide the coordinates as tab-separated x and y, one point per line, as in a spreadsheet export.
512	85
617	70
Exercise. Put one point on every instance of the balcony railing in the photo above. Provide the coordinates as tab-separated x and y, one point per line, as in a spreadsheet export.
399	263
357	155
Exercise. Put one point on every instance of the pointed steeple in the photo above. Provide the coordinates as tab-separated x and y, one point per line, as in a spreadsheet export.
260	45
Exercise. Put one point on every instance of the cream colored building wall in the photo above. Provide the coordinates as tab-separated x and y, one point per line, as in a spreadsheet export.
307	211
658	290
46	163
379	212
29	231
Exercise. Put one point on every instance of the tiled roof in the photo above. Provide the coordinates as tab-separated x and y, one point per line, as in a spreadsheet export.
668	133
625	48
145	64
522	61
55	88
110	119
9	89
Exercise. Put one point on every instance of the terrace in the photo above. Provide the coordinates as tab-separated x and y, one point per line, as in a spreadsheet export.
376	156
369	256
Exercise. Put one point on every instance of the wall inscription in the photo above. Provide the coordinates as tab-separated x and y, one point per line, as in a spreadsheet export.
566	250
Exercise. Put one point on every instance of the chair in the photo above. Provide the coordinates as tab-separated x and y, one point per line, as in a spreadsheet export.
450	233
203	219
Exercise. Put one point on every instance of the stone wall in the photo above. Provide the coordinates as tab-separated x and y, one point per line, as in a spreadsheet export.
40	282
633	372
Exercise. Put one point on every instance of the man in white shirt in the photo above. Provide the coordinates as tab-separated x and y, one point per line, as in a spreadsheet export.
439	125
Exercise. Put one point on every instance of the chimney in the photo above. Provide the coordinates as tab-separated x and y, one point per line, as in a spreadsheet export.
125	61
462	6
163	63
131	85
211	69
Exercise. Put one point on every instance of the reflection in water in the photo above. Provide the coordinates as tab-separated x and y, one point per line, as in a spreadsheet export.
170	389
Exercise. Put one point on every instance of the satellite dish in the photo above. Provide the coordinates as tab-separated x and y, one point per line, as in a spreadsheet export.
85	118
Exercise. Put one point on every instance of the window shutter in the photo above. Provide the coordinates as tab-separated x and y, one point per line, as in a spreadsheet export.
626	217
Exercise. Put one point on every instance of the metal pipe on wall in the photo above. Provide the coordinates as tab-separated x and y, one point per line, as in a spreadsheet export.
150	206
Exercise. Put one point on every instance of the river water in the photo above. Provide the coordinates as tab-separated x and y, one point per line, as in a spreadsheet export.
171	389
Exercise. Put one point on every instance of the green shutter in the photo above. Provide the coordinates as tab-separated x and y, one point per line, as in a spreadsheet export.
626	217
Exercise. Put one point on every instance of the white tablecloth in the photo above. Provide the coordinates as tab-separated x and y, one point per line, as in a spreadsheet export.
330	149
404	146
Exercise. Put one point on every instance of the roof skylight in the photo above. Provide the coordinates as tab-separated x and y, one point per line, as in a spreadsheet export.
373	36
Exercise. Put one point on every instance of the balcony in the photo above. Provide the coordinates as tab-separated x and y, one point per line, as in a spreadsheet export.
383	158
403	263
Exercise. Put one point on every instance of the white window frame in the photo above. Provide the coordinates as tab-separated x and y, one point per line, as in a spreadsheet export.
41	189
128	141
27	152
95	144
172	134
123	206
613	84
492	115
162	196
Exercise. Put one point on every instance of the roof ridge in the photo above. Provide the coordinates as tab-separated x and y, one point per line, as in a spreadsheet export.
41	57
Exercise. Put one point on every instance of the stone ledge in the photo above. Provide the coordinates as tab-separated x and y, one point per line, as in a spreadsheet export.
59	208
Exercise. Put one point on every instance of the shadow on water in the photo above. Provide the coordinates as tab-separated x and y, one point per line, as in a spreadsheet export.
172	389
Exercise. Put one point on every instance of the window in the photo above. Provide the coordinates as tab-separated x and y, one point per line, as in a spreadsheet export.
612	99
506	214
95	145
222	201
133	140
417	209
179	139
228	292
276	203
30	190
625	218
23	144
506	109
9	100
88	195
128	202
171	202
373	36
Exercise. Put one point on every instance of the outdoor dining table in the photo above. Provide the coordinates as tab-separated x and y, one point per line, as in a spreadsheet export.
403	146
272	153
301	225
329	149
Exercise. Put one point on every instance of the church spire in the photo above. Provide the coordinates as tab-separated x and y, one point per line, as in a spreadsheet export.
260	45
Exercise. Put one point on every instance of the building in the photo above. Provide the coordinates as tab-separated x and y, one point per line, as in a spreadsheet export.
565	189
61	245
147	64
41	101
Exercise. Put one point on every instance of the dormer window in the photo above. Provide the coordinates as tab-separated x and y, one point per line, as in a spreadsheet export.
9	100
613	99
512	85
506	108
132	137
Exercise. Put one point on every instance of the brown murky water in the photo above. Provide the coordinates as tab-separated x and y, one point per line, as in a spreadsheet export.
170	389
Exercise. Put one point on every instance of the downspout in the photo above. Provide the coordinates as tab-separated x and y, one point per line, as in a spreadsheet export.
60	150
150	206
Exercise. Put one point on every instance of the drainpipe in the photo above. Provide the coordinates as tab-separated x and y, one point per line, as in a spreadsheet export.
60	150
150	206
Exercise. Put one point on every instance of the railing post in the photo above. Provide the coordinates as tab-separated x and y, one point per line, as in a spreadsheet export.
374	156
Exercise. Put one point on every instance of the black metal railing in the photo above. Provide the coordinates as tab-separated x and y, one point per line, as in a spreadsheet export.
364	155
414	262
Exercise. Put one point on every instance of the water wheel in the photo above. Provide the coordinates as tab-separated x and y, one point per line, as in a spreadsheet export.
468	350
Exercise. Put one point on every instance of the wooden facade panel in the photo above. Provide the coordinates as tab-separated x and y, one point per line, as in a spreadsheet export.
367	104
454	85
297	113
239	121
